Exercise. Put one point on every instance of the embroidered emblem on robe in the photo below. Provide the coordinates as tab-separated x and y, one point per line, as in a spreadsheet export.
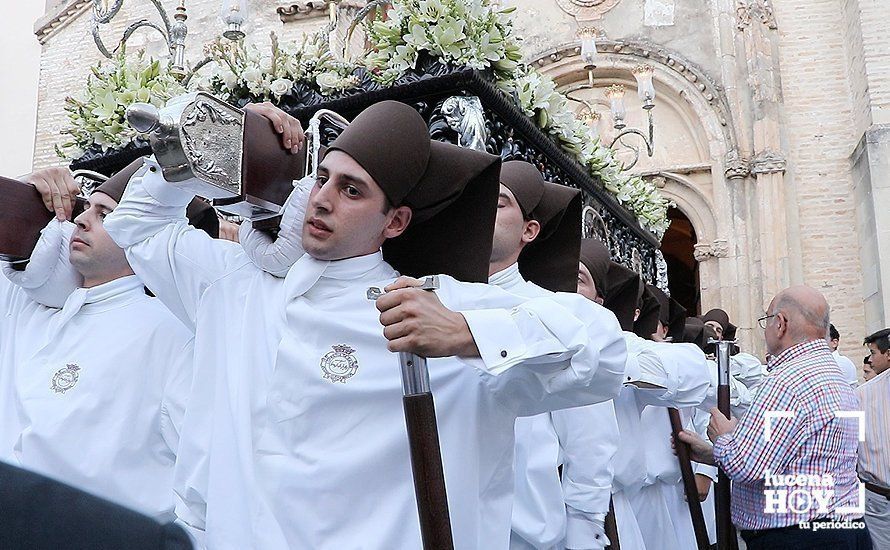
65	378
339	365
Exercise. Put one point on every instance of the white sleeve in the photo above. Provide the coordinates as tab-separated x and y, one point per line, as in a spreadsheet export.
681	370
740	396
49	278
541	354
746	369
700	421
174	260
588	437
176	393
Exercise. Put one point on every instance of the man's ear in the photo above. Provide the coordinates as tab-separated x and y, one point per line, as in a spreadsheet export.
531	231
398	223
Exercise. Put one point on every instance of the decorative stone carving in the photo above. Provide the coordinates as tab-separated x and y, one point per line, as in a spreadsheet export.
736	166
641	51
768	162
705	251
312	8
587	10
748	10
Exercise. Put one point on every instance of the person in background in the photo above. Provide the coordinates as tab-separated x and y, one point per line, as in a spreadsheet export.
847	366
874	451
804	379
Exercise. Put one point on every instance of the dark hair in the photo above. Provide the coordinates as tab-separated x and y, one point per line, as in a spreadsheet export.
833	334
867	360
881	339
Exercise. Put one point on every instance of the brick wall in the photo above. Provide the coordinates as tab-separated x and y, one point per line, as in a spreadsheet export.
827	92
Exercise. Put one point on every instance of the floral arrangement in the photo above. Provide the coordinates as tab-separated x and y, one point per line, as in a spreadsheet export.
97	116
472	33
477	34
239	71
462	32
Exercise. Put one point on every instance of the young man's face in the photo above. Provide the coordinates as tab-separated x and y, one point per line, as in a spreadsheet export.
348	214
879	361
511	230
718	328
586	286
833	344
93	253
867	372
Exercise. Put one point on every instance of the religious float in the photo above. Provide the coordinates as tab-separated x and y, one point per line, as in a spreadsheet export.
458	62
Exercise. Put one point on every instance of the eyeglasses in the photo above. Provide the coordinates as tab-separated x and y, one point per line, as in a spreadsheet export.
763	321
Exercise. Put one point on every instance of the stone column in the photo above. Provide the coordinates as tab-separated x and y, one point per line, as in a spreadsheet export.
757	26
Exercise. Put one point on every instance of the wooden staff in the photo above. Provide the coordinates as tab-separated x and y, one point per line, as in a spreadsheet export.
611	528
683	452
423	441
726	535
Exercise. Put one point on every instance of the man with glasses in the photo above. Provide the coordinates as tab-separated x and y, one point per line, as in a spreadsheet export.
792	432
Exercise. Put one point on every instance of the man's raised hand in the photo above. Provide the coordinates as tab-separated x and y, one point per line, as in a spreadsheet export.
291	130
57	189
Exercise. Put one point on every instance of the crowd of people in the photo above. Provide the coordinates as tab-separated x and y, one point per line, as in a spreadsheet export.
245	392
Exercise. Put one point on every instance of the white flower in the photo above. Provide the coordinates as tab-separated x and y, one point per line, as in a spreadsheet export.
252	75
229	79
280	86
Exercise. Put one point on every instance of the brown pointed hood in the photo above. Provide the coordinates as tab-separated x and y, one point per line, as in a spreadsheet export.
551	260
452	191
200	214
596	258
624	288
650	312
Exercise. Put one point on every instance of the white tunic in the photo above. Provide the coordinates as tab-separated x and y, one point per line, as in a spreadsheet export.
295	434
847	367
640	510
663	468
98	392
583	440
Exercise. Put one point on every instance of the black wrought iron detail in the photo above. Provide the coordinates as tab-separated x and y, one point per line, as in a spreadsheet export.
511	134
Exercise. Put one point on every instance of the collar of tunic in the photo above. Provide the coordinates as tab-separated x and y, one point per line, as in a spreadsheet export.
507	277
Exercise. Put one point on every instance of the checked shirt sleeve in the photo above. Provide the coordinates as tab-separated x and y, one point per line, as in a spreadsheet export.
745	454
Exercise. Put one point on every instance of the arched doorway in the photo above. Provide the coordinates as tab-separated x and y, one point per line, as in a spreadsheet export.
678	248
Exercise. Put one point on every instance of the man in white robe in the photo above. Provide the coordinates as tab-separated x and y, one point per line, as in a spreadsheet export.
537	238
658	375
93	391
295	429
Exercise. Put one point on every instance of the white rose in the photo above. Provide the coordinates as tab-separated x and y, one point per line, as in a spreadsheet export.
328	81
230	79
280	86
252	75
266	63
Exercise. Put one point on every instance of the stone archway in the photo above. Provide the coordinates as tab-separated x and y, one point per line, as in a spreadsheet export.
695	162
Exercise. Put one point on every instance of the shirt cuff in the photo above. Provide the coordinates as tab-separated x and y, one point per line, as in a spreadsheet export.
497	337
166	193
722	449
584	530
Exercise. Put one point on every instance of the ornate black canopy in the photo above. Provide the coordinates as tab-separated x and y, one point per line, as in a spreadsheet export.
507	131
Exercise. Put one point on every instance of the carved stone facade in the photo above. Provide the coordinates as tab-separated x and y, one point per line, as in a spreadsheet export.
772	127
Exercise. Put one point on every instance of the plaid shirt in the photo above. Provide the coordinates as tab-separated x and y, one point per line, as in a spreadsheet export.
805	380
